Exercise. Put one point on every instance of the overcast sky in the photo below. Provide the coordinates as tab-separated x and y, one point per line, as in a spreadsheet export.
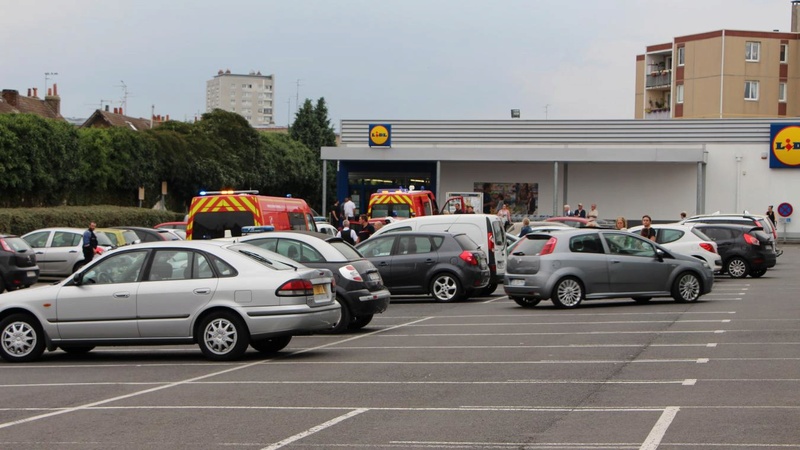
370	59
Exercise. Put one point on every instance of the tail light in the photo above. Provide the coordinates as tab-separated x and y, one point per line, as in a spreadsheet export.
491	241
469	257
295	287
350	273
5	246
707	247
549	246
750	239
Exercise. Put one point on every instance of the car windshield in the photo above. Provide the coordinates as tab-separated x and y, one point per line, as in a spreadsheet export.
264	257
385	210
531	244
465	242
103	240
347	250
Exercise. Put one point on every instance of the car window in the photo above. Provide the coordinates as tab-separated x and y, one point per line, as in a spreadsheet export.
629	245
298	251
665	236
700	234
171	265
377	246
17	244
130	237
258	254
347	250
110	236
463	240
586	243
270	244
498	232
412	245
38	239
718	234
530	244
65	239
223	269
118	268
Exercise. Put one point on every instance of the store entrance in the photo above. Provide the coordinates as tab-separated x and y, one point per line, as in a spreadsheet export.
361	185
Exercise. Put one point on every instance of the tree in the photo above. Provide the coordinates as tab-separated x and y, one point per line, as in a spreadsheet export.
313	128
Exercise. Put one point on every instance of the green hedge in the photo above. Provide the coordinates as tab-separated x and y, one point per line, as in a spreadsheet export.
23	220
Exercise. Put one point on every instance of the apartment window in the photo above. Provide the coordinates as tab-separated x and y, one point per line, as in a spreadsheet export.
681	55
679	93
751	90
782	92
751	51
784	53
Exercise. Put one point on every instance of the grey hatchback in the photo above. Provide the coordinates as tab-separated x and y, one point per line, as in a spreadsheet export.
571	266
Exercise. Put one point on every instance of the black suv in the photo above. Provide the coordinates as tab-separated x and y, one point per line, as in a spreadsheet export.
745	249
448	266
741	219
17	263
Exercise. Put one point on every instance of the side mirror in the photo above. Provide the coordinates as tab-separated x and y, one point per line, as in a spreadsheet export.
77	279
660	254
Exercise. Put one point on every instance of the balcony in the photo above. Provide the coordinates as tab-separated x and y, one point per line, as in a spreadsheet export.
657	114
661	79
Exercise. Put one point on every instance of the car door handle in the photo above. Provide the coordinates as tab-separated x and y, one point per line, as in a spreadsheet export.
202	290
429	261
73	251
40	253
616	261
122	294
383	264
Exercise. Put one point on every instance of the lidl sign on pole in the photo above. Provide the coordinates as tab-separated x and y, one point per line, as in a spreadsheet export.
785	141
380	135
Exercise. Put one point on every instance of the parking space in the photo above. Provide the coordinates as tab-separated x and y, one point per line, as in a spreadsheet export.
485	373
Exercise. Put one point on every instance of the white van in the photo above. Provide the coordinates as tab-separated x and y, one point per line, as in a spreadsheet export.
485	229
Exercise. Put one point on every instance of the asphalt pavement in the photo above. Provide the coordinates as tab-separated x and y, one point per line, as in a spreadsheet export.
721	373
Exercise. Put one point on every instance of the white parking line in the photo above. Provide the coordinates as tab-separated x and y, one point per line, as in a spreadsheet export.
182	382
612	322
315	429
660	428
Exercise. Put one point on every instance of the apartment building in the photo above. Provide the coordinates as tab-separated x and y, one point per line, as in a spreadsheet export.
722	74
250	96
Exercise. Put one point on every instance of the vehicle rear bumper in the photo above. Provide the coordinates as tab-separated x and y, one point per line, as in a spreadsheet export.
21	277
303	321
363	301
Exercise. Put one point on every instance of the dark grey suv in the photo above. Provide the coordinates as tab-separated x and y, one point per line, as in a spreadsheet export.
745	249
17	263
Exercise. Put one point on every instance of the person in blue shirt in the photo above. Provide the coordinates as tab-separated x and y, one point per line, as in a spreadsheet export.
526	227
89	243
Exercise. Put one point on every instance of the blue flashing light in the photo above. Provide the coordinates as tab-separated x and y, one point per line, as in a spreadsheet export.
250	229
202	192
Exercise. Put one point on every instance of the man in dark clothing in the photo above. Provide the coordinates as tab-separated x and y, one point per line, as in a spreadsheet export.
347	234
89	243
366	228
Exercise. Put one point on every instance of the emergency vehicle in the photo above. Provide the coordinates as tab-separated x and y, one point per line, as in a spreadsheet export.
219	214
400	204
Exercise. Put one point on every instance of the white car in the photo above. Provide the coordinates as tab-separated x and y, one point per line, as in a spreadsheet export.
59	251
326	228
687	240
221	296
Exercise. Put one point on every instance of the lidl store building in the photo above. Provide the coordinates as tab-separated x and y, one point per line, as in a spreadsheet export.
627	167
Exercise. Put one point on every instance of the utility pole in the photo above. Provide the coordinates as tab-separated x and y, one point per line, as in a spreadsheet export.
297	97
288	112
546	107
47	76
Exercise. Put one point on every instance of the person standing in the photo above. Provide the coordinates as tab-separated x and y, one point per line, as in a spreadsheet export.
89	244
349	210
567	211
526	227
593	212
487	198
647	231
580	212
347	234
366	229
505	215
621	224
335	220
771	215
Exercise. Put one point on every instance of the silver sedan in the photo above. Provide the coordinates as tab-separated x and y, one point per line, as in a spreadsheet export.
571	266
220	296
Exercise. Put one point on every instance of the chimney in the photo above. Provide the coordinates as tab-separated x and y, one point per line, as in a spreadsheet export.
115	110
120	111
795	16
30	91
55	89
11	97
54	101
167	117
106	108
35	94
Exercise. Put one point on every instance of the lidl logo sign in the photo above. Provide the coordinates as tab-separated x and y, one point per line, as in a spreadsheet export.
380	135
785	152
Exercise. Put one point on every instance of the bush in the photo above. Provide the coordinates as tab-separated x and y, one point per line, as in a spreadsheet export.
23	220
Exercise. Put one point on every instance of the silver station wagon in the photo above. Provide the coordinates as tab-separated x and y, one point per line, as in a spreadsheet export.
568	267
221	296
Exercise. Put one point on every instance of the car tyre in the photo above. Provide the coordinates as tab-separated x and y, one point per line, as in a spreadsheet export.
567	293
758	273
445	287
77	350
21	338
223	336
526	302
642	299
737	267
271	345
488	290
686	288
345	319
361	321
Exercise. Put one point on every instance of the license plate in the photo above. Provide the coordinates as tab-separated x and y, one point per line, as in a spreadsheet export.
518	282
319	289
374	276
31	273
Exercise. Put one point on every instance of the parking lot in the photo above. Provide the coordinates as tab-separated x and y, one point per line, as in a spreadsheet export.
481	374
